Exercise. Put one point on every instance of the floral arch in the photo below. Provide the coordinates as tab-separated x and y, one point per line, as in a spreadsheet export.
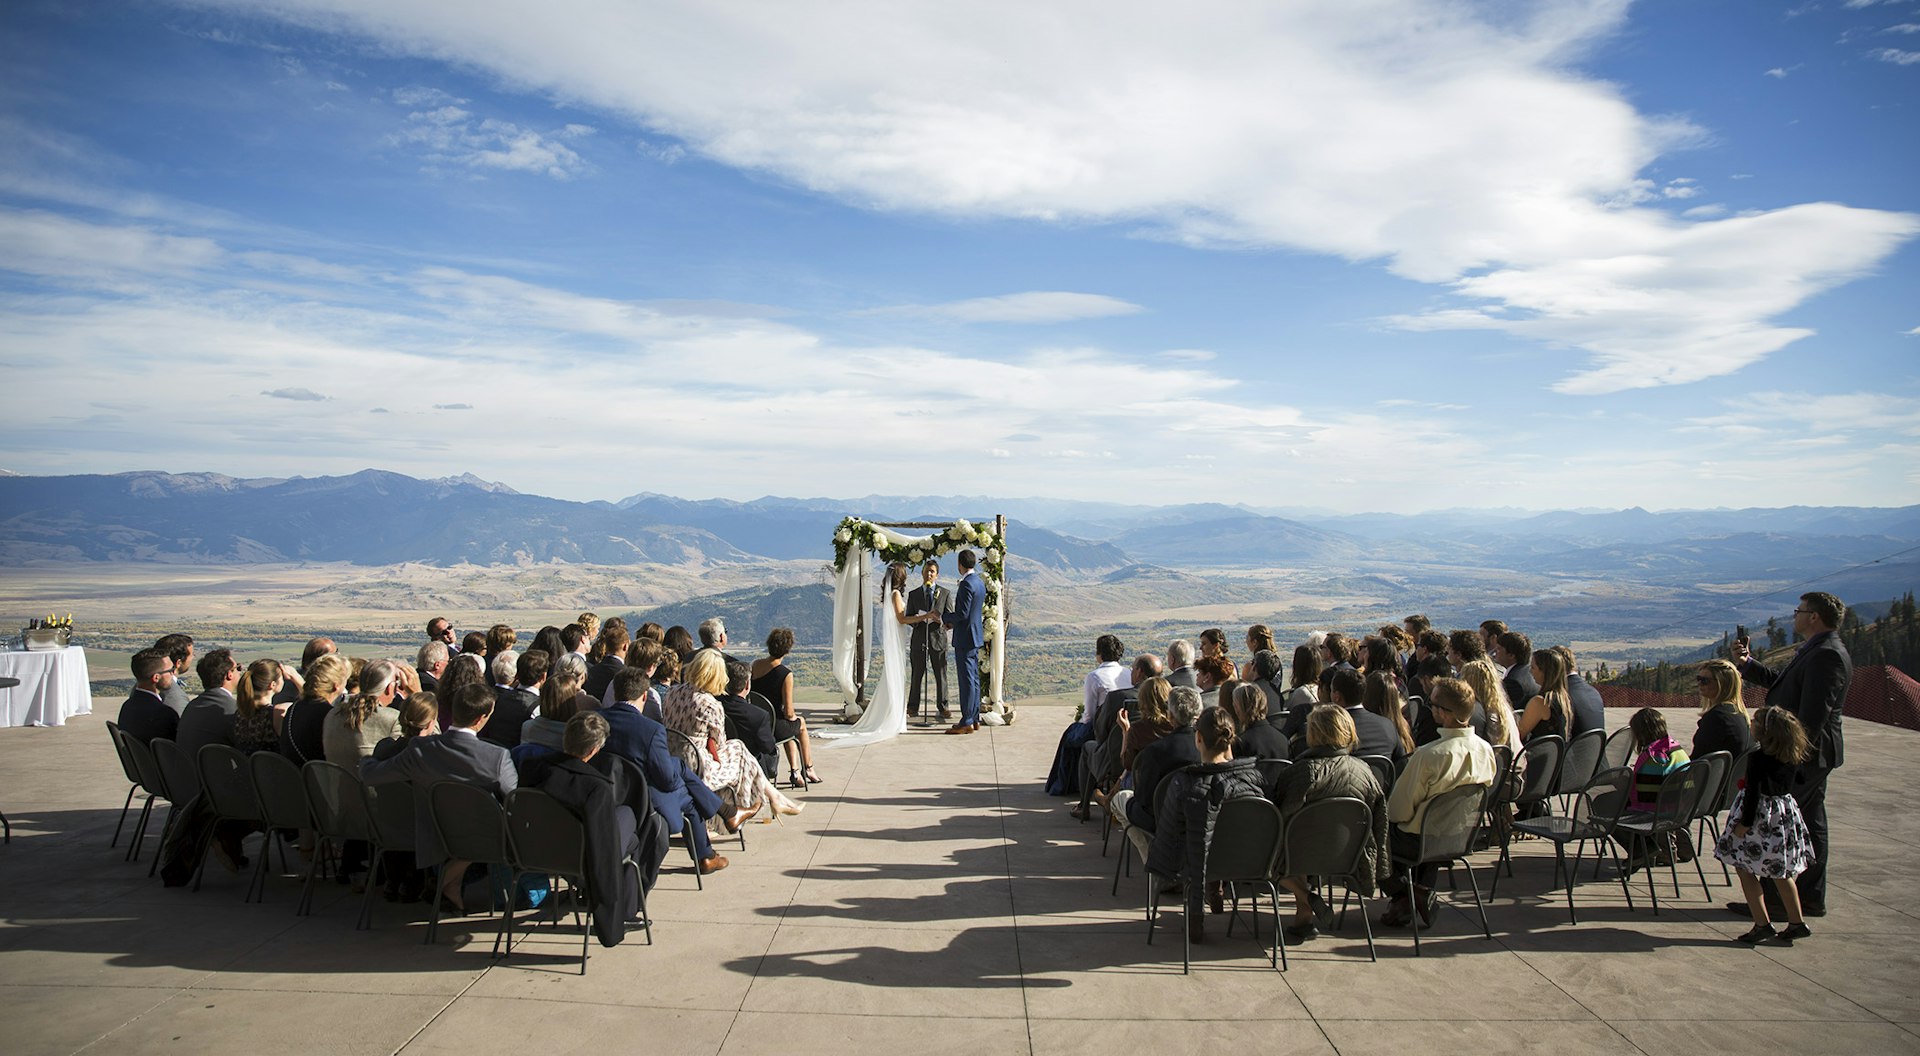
860	544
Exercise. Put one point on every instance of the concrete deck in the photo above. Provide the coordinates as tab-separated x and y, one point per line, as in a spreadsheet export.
930	900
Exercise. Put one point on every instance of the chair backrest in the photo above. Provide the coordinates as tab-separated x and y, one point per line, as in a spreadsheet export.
227	782
390	808
127	764
1503	788
1246	839
759	700
1383	770
153	780
181	775
632	784
1618	750
1579	761
1451	822
338	801
1605	797
469	820
682	745
1270	771
1327	837
1679	797
545	836
1543	767
1719	766
281	791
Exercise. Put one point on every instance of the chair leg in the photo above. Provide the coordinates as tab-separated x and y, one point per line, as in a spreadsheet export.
173	813
433	922
584	933
505	928
1372	955
1119	858
139	832
1279	957
1714	825
1559	868
1706	891
1153	907
305	905
1413	902
1477	904
257	883
376	861
1651	892
124	807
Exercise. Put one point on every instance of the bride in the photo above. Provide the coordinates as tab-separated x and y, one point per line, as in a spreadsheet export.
886	714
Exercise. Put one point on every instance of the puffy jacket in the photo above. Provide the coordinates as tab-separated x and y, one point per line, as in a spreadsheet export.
1185	828
1330	773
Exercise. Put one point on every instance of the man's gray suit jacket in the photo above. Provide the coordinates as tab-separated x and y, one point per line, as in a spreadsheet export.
457	755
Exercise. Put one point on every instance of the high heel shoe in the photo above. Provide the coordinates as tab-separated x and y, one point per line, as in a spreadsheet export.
794	780
810	777
789	808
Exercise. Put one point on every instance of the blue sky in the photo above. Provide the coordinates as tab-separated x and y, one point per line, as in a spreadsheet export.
1376	255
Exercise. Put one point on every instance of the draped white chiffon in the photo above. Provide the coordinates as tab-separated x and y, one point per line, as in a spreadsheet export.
886	714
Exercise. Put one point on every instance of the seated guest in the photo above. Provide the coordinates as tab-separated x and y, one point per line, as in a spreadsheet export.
419	717
1258	739
1064	777
314	650
1209	673
456	755
514	704
430	661
607	657
1493	717
1266	671
677	794
474	644
466	669
747	722
1420	717
613	833
1328	770
1723	723
652	632
145	714
1376	654
713	635
1465	646
680	643
350	730
1378	736
773	679
666	674
256	719
1109	735
1589	710
575	639
547	640
1161	758
644	655
1154	722
180	648
1381	696
1514	652
1259	639
589	624
561	698
727	766
208	718
500	639
1303	691
1551	712
1658	755
1184	828
1180	664
1458	758
302	733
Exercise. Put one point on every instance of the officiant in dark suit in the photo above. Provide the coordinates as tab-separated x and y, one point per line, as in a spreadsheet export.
929	643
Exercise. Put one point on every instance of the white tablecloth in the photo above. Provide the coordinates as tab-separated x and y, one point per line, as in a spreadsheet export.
53	686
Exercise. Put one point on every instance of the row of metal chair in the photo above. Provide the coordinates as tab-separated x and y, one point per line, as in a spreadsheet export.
531	834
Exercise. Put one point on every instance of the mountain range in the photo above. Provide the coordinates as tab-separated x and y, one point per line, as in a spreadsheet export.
376	518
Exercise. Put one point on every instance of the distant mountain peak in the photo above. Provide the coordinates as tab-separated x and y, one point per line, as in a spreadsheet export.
471	481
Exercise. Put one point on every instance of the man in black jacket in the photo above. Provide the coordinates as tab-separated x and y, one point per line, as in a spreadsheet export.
747	722
145	715
612	831
516	702
1513	651
1813	686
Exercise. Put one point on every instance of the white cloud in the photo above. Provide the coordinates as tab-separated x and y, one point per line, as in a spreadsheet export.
450	136
1453	143
1189	355
1904	27
1037	306
1915	332
1896	56
1779	72
300	395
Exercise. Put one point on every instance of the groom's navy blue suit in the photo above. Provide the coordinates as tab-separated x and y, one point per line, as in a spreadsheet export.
969	599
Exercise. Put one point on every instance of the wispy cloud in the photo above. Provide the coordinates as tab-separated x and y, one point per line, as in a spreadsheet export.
1896	56
1904	27
1782	72
304	395
451	137
1452	146
453	406
1038	306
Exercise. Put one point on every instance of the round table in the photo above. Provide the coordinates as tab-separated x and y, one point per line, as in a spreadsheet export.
50	686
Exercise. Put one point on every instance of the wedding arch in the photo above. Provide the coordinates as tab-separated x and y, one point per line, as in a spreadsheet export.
859	545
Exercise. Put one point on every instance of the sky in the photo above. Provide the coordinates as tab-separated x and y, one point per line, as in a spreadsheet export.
1362	255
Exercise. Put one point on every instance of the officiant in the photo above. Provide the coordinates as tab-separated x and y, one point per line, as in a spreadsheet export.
929	643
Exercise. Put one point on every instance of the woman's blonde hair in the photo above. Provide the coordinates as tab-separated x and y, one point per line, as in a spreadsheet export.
326	677
1726	686
1153	700
1329	726
707	672
1492	694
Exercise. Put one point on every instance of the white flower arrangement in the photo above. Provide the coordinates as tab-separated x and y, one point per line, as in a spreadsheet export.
914	555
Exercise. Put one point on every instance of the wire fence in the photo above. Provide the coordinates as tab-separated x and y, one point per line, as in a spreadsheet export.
1878	693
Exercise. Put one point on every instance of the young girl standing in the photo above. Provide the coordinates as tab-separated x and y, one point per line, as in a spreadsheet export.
1765	838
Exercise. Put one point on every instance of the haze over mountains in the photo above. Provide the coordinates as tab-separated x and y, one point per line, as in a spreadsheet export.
376	518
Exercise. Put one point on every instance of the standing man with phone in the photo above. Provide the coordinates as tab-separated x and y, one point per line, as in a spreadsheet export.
1813	686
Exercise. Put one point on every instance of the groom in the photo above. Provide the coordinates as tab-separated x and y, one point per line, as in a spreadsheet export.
968	634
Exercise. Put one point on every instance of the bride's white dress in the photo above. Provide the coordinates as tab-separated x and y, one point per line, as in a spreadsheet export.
886	714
